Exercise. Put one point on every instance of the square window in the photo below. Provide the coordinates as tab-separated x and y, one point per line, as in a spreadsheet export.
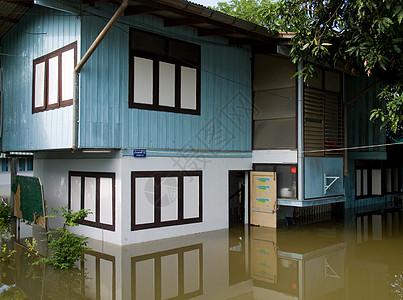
165	75
166	198
94	191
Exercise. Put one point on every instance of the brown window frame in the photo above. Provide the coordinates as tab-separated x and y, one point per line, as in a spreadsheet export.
157	258
157	198
97	176
167	58
369	166
45	59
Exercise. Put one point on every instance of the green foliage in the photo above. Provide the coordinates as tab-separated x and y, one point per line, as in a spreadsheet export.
5	253
5	216
67	248
31	247
248	10
364	35
392	118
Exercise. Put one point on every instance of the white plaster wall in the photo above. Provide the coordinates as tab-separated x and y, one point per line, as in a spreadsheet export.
215	193
54	177
274	156
5	185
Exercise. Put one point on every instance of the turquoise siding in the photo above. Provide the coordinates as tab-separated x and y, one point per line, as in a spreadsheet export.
315	168
107	122
361	131
39	32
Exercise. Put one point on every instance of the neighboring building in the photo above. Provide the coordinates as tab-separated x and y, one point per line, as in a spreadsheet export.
184	97
24	166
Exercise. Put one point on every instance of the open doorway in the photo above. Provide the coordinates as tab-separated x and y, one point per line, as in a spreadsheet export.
236	198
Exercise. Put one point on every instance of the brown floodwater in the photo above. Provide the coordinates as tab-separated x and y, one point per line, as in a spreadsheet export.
357	256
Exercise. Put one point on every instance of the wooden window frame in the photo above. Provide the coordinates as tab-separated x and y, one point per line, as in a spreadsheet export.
45	59
98	256
157	258
157	175
97	176
370	166
156	59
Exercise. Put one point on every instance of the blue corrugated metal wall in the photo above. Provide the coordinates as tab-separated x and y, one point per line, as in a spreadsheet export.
107	122
39	32
362	132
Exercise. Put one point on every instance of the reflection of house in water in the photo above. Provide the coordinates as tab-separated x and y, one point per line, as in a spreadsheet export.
309	262
375	255
298	263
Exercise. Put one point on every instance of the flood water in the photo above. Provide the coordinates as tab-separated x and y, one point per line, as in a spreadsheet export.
358	256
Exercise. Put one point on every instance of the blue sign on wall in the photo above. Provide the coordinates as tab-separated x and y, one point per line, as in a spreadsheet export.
139	153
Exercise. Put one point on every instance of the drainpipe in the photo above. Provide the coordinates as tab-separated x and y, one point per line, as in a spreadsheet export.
300	87
81	64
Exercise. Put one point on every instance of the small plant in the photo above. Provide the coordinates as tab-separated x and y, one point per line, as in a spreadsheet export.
5	253
5	216
31	248
67	248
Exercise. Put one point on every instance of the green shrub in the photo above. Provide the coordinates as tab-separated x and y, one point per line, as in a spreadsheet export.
67	248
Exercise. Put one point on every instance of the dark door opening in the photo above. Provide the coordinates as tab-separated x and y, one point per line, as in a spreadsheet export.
236	198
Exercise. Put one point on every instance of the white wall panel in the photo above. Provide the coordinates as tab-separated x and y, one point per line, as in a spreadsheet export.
169	276
106	209
144	200
188	88
191	197
169	198
75	191
53	79
40	84
377	182
67	74
167	84
90	281
143	80
192	271
90	197
106	280
145	280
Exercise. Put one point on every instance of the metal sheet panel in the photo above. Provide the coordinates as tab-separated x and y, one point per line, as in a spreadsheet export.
106	121
361	131
39	32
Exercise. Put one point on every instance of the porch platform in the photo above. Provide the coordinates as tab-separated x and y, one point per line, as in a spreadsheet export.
311	202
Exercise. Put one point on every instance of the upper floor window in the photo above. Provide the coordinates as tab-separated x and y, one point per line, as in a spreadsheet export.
53	79
324	115
164	73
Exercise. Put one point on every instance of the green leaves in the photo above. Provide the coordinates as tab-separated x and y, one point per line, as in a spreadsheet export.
67	248
364	35
391	116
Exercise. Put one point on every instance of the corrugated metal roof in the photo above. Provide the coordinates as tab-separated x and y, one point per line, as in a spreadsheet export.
207	21
11	12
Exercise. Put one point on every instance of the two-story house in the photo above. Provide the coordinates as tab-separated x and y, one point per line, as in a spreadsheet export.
155	129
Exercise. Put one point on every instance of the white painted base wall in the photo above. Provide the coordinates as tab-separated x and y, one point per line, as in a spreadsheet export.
54	176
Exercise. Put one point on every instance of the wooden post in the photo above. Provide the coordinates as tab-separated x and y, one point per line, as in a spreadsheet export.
13	173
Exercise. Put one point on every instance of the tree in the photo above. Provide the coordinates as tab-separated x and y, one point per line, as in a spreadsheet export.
364	35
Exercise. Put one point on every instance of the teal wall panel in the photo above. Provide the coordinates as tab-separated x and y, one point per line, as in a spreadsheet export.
107	122
39	32
105	119
361	131
315	169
